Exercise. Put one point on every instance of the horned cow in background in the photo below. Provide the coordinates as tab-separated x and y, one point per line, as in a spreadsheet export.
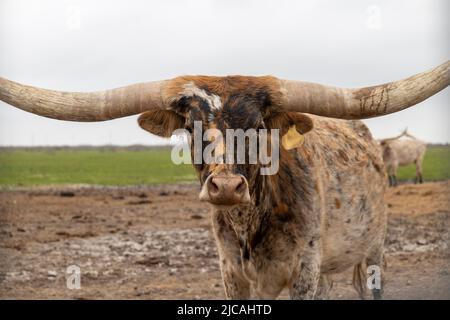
322	212
399	152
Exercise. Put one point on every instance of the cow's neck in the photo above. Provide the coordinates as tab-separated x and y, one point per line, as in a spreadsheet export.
272	201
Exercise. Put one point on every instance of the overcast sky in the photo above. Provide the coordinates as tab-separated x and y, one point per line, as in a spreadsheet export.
85	45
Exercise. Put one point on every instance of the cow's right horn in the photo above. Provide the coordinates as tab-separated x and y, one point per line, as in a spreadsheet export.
78	106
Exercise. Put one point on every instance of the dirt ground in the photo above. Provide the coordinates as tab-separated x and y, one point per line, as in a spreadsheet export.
155	242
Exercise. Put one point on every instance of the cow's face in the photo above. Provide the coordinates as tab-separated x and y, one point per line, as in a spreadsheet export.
224	103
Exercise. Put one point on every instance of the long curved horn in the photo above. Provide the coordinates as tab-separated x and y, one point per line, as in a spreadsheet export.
364	102
404	133
78	106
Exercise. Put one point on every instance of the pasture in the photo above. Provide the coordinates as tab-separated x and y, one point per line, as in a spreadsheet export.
103	166
137	165
132	222
436	165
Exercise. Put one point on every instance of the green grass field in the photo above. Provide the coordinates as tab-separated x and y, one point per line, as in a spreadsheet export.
21	167
436	166
92	166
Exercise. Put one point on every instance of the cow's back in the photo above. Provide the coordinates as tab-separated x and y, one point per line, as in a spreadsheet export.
408	151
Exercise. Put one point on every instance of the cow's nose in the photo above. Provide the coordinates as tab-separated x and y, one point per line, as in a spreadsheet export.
225	190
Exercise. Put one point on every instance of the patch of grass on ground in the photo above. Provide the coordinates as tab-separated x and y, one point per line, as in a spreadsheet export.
128	166
91	166
436	166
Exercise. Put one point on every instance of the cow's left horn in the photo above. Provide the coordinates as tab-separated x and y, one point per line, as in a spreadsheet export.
364	102
80	106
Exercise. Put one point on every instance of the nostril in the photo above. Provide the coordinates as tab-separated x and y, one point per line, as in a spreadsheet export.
213	187
241	186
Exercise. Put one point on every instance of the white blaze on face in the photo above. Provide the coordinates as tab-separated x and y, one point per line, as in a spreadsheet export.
214	102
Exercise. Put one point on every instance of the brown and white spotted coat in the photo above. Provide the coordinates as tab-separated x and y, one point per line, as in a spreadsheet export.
322	213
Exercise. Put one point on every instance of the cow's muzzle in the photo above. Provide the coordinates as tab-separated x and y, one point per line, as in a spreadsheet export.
225	189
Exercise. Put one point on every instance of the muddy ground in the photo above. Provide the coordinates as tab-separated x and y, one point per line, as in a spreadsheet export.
155	242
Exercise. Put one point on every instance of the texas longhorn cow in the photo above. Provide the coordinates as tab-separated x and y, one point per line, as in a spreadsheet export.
322	213
402	152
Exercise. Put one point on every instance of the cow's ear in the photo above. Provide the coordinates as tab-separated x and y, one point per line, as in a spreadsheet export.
292	126
285	120
161	122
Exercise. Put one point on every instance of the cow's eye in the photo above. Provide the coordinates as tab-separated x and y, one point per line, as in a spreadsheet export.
260	127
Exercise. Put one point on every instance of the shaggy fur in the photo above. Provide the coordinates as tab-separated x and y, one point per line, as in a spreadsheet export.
322	213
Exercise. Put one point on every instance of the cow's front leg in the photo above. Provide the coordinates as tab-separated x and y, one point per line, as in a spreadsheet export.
304	285
235	284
